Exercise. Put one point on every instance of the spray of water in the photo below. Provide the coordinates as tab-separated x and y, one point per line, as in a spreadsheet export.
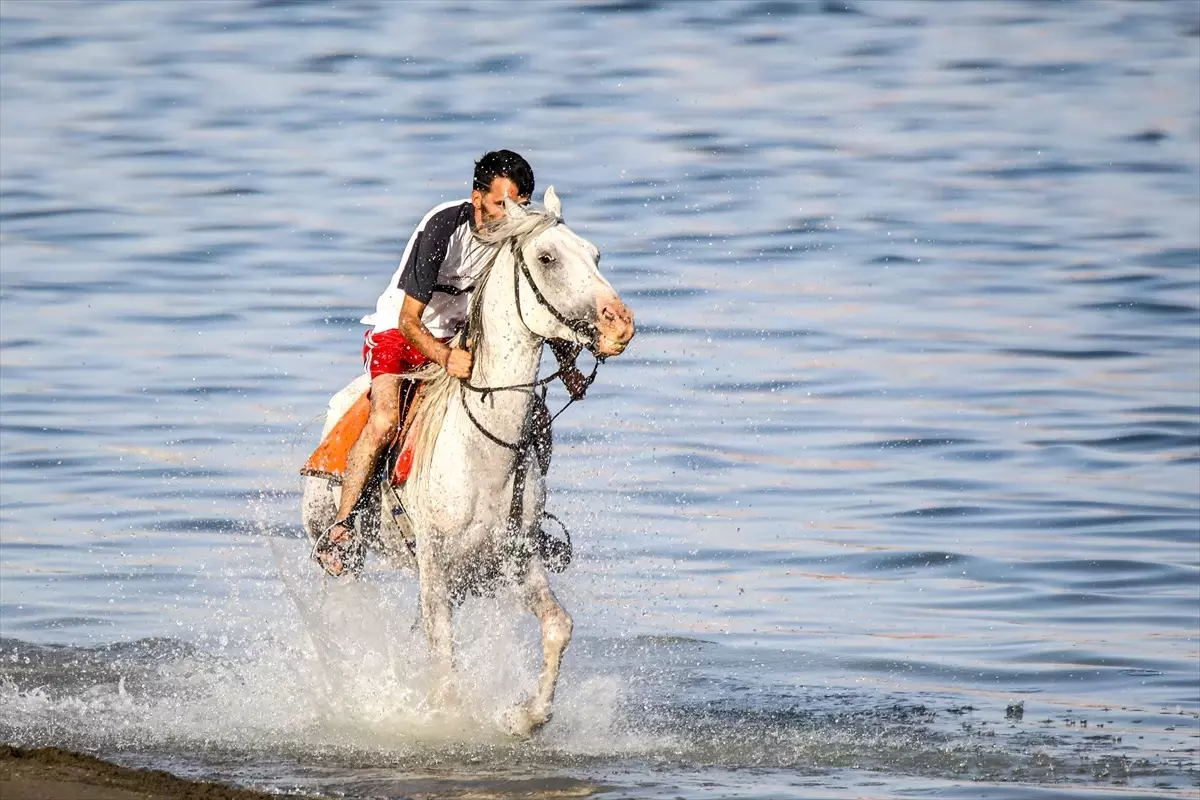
300	665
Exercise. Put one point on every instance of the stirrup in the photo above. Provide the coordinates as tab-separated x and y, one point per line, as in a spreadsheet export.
348	551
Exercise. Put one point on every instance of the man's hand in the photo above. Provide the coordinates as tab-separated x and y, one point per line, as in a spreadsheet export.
458	363
455	361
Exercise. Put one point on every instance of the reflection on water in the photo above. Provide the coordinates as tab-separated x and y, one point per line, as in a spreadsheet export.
910	433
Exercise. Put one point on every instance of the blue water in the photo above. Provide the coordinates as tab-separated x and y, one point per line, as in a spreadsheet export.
896	494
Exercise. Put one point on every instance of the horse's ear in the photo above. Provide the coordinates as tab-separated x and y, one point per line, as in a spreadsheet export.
513	209
552	203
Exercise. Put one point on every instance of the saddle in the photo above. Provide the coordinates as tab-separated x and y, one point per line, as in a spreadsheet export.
329	459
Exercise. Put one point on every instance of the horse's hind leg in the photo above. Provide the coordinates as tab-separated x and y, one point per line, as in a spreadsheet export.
556	635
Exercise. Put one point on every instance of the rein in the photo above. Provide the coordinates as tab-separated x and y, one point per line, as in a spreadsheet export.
485	391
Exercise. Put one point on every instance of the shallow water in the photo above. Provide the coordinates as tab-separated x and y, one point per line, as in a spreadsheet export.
897	492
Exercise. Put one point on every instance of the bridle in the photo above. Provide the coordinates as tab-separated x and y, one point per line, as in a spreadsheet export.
579	326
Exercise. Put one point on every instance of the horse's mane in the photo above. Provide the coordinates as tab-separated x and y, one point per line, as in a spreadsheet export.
440	387
520	227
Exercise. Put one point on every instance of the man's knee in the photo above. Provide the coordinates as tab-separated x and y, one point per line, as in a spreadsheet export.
385	401
381	425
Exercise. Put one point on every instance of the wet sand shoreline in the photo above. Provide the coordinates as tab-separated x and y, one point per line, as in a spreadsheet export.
50	773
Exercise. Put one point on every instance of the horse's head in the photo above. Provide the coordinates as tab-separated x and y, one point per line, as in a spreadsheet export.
562	294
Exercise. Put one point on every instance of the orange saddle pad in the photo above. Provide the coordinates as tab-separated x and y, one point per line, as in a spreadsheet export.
329	459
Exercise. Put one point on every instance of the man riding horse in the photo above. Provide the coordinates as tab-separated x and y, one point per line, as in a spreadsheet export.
423	306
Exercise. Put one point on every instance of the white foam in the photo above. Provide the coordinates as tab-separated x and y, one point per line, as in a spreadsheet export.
304	664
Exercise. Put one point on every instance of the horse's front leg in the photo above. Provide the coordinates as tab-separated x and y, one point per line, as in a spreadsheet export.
556	635
436	620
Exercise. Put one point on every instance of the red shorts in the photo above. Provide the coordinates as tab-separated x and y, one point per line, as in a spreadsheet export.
389	353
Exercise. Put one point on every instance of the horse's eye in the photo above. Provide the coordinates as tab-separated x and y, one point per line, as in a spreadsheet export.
546	259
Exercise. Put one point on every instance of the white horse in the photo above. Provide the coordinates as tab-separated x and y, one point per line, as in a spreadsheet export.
469	518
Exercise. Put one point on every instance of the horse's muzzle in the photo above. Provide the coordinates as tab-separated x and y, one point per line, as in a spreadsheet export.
614	327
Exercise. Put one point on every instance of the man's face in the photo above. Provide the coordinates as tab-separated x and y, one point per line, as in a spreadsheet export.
489	205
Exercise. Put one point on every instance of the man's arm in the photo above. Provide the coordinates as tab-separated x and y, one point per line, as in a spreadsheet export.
455	361
427	253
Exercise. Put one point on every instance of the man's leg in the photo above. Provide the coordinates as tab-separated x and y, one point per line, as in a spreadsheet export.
360	463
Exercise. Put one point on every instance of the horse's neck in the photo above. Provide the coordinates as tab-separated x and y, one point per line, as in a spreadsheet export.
508	353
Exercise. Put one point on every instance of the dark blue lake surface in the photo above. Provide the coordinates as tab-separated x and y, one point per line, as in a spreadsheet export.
896	494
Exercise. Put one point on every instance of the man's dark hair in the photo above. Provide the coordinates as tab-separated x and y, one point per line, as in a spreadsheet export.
504	164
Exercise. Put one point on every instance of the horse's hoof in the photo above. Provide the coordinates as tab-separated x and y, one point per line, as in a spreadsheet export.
522	722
